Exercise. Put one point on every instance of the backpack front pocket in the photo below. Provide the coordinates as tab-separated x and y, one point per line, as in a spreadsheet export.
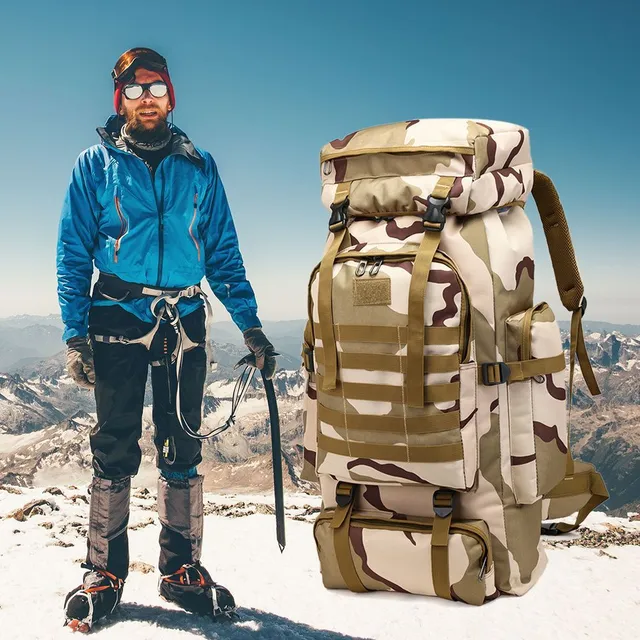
367	432
441	557
536	404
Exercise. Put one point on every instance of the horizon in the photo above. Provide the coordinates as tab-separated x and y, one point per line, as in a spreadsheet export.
586	321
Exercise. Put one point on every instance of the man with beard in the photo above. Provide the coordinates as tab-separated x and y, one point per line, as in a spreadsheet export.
149	208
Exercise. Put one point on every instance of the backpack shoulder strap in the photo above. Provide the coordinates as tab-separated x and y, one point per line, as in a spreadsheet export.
570	287
565	268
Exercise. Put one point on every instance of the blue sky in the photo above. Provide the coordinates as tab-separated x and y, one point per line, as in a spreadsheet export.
264	85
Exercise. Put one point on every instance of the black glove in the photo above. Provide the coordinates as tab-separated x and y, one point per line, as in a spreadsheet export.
80	362
263	350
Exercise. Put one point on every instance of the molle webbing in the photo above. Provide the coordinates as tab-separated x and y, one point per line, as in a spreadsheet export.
392	334
395	453
390	362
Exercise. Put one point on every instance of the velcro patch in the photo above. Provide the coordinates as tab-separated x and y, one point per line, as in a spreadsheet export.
371	291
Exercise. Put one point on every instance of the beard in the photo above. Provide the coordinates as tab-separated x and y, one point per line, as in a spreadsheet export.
143	133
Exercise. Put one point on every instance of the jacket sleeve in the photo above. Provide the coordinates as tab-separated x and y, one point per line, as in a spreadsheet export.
223	261
77	231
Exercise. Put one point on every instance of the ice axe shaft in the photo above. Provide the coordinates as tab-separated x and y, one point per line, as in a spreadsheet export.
276	458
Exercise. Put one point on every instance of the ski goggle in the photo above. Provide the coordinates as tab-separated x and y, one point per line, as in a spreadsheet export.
136	58
157	89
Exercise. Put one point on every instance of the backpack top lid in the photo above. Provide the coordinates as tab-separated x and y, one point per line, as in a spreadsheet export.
393	168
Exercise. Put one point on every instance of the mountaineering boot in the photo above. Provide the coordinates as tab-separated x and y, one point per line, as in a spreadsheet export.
192	588
184	580
97	597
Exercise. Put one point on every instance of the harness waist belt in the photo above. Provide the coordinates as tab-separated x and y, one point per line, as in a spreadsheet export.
110	287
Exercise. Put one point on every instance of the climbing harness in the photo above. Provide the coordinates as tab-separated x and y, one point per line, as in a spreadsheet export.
164	306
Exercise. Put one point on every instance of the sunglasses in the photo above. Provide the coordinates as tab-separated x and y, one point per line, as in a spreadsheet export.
135	90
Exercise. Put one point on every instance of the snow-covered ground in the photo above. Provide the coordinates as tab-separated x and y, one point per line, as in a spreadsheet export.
584	593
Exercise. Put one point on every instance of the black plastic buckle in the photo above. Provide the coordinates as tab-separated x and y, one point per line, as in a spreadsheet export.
550	530
434	217
583	306
344	499
443	502
307	357
338	219
503	368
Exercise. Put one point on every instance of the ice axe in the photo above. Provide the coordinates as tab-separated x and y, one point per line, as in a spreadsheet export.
276	449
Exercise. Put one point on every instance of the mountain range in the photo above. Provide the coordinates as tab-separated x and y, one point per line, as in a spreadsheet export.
45	419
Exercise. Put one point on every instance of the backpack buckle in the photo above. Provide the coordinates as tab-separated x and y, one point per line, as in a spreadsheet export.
307	358
345	493
550	530
443	502
434	217
338	219
494	373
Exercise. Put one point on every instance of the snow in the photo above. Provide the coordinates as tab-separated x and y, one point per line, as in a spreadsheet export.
221	388
582	594
11	442
8	395
631	364
247	407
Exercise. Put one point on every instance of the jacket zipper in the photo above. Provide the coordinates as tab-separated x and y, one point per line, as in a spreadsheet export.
159	205
462	528
124	229
195	212
378	260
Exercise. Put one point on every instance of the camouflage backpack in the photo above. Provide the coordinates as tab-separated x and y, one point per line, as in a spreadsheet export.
435	409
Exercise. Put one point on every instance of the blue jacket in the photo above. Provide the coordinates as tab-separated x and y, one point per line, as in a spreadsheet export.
168	231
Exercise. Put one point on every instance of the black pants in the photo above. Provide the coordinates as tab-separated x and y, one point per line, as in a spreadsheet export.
121	375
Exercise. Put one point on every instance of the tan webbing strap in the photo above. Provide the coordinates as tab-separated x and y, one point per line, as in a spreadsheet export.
443	509
325	291
390	362
599	494
394	453
436	423
345	497
570	287
375	333
523	369
417	288
579	482
446	392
